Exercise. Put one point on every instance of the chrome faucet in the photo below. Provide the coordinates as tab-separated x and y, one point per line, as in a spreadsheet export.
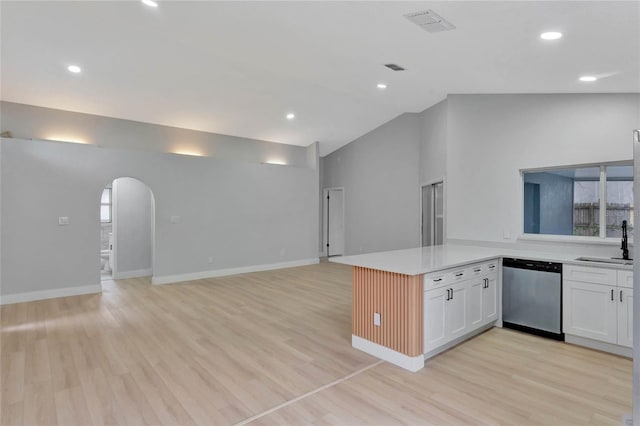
625	241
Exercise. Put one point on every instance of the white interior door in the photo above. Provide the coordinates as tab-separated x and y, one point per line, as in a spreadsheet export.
335	222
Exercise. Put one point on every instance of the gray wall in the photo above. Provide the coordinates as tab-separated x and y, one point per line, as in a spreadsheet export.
433	143
492	137
241	214
132	216
479	144
31	122
380	175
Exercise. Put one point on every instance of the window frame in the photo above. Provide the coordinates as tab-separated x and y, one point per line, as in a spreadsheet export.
109	204
601	238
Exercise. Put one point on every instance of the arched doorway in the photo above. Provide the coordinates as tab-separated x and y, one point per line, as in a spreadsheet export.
127	213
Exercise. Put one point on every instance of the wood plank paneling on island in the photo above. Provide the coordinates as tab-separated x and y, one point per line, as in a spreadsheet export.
398	300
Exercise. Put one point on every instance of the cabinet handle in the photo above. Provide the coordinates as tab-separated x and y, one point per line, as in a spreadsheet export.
612	295
486	283
477	270
459	274
451	294
447	295
492	266
437	280
621	295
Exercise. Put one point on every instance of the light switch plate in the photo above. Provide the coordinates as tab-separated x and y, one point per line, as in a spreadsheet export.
506	233
175	219
376	319
63	220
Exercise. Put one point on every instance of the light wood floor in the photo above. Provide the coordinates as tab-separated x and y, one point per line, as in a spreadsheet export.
275	348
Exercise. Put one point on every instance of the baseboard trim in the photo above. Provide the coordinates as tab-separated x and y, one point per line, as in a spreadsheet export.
457	341
411	363
599	346
9	299
170	279
132	274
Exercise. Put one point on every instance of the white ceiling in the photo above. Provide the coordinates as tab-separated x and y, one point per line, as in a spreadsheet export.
238	67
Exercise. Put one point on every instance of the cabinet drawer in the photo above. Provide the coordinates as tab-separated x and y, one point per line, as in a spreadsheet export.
451	276
589	275
625	279
491	267
436	280
446	277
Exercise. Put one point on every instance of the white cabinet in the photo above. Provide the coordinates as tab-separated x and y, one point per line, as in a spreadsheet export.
590	310
625	317
476	294
599	306
435	323
445	315
490	299
457	310
459	301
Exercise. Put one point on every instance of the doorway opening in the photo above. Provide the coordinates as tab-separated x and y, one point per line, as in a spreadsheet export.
432	214
127	225
333	234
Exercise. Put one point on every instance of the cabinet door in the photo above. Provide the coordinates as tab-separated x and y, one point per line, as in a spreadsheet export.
435	303
476	293
590	310
625	317
456	311
490	300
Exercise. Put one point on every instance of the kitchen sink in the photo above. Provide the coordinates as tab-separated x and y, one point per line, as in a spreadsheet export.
611	260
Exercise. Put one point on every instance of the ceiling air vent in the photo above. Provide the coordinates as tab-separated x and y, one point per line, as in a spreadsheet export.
430	21
394	67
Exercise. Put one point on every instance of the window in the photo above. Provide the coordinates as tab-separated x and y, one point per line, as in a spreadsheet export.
105	206
579	200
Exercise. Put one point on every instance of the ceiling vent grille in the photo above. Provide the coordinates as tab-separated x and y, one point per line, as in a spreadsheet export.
394	67
430	21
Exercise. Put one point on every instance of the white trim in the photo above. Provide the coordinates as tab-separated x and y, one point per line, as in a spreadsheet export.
602	237
133	274
114	226
169	279
602	211
571	239
458	340
325	215
600	346
31	296
444	208
411	363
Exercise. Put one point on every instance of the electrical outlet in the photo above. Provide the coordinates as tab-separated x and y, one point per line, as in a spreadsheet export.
210	259
63	220
376	319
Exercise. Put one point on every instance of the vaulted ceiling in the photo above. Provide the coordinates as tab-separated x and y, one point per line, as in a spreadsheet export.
238	68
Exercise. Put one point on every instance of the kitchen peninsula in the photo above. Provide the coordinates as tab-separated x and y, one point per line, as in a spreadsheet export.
409	305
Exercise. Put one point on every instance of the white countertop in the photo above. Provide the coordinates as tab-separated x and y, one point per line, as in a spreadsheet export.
422	260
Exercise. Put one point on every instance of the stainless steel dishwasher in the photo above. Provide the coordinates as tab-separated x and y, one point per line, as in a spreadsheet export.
532	297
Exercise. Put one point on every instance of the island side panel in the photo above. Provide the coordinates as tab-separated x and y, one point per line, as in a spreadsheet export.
398	299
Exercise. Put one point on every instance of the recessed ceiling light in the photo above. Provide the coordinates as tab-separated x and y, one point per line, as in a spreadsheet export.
588	78
291	116
150	3
382	86
551	35
74	69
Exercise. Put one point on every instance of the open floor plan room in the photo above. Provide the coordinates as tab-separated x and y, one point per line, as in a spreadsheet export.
275	348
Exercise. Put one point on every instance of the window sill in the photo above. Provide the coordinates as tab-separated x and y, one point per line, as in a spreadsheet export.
572	239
